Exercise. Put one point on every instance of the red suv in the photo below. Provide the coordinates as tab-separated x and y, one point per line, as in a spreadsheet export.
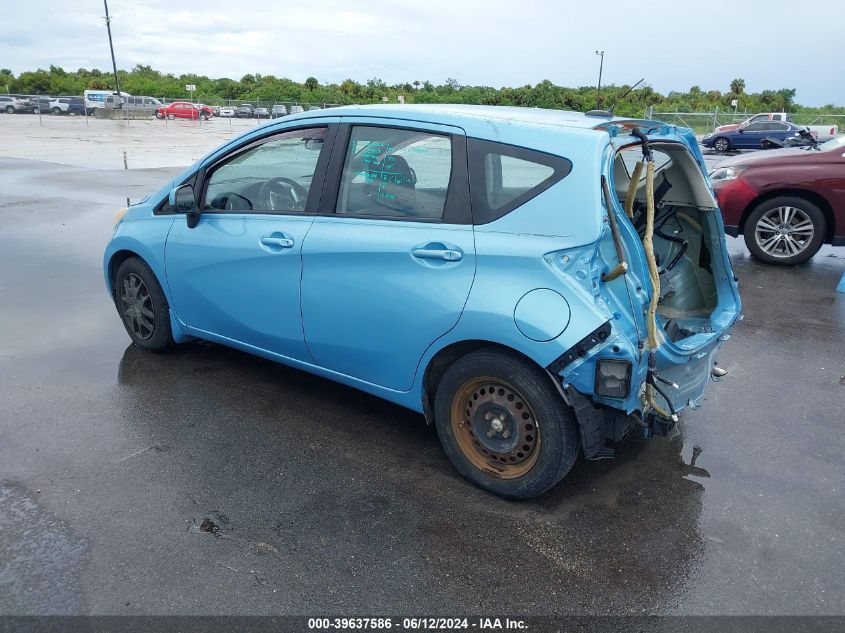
185	110
787	202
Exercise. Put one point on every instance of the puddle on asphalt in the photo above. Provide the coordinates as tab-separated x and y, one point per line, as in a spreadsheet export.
40	557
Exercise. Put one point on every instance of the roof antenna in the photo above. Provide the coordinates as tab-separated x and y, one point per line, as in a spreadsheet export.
609	112
629	91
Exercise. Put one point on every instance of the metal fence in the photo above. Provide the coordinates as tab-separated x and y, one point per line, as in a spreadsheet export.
703	122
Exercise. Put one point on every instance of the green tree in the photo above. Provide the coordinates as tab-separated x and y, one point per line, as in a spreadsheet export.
738	86
312	84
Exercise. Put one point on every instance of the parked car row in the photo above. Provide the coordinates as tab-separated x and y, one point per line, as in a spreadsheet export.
94	99
42	105
249	111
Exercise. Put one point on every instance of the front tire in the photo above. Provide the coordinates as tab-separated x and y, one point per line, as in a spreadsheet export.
142	305
503	425
786	230
10	110
57	111
170	117
721	144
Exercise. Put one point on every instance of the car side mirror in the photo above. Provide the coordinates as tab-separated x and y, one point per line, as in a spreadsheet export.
314	144
182	200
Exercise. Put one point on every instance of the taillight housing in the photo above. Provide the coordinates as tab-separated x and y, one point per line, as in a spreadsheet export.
613	378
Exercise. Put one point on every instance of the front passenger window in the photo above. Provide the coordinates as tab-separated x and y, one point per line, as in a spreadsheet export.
273	177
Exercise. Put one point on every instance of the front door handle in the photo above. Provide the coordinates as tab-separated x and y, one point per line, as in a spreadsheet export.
444	254
279	242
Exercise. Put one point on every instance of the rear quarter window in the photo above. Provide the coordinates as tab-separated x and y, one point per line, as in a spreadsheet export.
504	177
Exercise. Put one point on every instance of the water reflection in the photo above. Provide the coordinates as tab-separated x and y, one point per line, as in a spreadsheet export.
332	474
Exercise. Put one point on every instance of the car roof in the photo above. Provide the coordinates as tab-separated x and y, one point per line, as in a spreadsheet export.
441	113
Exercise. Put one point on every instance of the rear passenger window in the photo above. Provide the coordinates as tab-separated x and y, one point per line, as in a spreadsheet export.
395	173
504	177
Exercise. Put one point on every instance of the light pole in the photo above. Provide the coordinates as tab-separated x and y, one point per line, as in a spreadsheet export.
111	48
598	87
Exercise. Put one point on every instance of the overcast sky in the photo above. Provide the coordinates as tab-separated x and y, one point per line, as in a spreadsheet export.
673	44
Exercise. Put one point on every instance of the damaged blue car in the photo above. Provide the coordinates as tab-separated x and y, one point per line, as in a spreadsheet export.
536	283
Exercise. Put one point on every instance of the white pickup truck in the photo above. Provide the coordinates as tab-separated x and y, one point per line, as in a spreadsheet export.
821	132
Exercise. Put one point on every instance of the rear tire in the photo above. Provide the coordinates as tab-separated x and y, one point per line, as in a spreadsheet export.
786	230
170	117
142	305
503	425
57	111
10	110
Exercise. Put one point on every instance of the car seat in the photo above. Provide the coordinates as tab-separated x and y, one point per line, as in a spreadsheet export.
391	182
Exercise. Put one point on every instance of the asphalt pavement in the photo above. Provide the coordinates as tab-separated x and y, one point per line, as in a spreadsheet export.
208	481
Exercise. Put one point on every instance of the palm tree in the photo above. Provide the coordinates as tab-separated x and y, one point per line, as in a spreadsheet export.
737	86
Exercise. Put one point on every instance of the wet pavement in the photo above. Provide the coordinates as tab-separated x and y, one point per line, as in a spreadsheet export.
209	481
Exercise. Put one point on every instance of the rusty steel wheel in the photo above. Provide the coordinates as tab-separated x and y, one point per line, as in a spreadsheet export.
495	428
489	408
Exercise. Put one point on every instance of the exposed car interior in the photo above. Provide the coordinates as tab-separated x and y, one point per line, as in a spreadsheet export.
684	234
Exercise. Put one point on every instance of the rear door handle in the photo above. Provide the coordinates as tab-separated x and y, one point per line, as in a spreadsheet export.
281	242
444	254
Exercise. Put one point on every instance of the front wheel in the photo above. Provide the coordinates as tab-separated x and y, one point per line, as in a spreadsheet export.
170	117
204	117
142	305
721	144
785	230
57	111
503	425
10	110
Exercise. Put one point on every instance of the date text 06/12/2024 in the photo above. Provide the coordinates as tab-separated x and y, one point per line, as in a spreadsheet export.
416	624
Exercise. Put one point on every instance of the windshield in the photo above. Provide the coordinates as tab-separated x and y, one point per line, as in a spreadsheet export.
834	143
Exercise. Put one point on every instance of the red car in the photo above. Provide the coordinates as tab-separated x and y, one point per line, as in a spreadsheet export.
786	203
185	110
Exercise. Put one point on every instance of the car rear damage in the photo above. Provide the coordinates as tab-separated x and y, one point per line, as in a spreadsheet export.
660	272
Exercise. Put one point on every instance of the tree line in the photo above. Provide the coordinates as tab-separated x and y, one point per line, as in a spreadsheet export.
144	80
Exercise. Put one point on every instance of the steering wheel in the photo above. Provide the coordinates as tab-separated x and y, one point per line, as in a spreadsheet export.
283	194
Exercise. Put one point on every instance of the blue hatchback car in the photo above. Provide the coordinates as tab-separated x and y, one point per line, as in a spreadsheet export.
534	282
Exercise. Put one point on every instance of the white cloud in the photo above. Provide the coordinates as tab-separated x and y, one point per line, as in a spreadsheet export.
673	44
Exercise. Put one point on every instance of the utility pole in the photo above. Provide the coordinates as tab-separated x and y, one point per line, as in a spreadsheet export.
111	48
598	87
